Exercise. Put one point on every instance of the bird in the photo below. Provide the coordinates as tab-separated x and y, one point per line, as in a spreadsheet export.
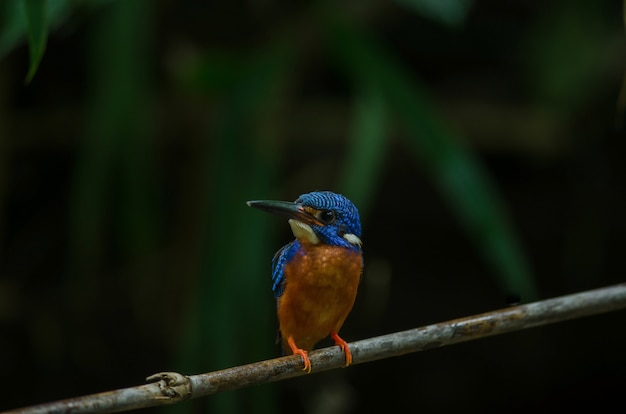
316	276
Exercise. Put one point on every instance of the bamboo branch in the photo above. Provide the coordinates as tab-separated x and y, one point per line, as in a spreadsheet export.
171	387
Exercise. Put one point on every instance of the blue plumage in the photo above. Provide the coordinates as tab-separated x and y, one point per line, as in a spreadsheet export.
346	221
342	218
282	257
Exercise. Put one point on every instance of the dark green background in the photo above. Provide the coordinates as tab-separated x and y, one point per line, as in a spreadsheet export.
483	142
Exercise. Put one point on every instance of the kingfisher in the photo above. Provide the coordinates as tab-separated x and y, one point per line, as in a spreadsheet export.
315	277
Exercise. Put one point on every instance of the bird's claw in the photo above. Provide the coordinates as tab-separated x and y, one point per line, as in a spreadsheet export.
343	345
305	360
302	353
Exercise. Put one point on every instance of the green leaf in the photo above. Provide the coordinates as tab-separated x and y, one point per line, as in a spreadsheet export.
37	23
12	24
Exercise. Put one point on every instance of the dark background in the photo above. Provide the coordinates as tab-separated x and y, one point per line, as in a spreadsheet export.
482	141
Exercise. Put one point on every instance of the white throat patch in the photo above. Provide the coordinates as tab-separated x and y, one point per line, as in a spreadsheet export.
352	239
303	231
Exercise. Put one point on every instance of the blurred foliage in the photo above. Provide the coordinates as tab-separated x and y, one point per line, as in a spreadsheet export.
37	22
228	320
565	50
450	12
31	19
369	141
454	169
116	156
160	263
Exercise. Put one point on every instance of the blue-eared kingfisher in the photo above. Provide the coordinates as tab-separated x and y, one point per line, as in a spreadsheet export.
316	276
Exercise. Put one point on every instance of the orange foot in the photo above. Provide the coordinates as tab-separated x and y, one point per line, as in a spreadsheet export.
301	352
343	345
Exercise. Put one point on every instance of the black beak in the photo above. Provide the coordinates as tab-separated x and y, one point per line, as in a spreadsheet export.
286	209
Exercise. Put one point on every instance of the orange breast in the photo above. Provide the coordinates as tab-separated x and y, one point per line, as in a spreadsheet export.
320	288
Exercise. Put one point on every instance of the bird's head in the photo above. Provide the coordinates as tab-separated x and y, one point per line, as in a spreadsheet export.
319	217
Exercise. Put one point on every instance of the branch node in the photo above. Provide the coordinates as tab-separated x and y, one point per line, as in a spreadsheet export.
174	387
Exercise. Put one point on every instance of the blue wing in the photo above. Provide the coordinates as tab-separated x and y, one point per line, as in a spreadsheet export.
284	255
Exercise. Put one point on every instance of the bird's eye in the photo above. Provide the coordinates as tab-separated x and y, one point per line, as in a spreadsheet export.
327	216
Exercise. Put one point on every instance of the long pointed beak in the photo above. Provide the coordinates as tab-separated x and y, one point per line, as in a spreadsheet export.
286	209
